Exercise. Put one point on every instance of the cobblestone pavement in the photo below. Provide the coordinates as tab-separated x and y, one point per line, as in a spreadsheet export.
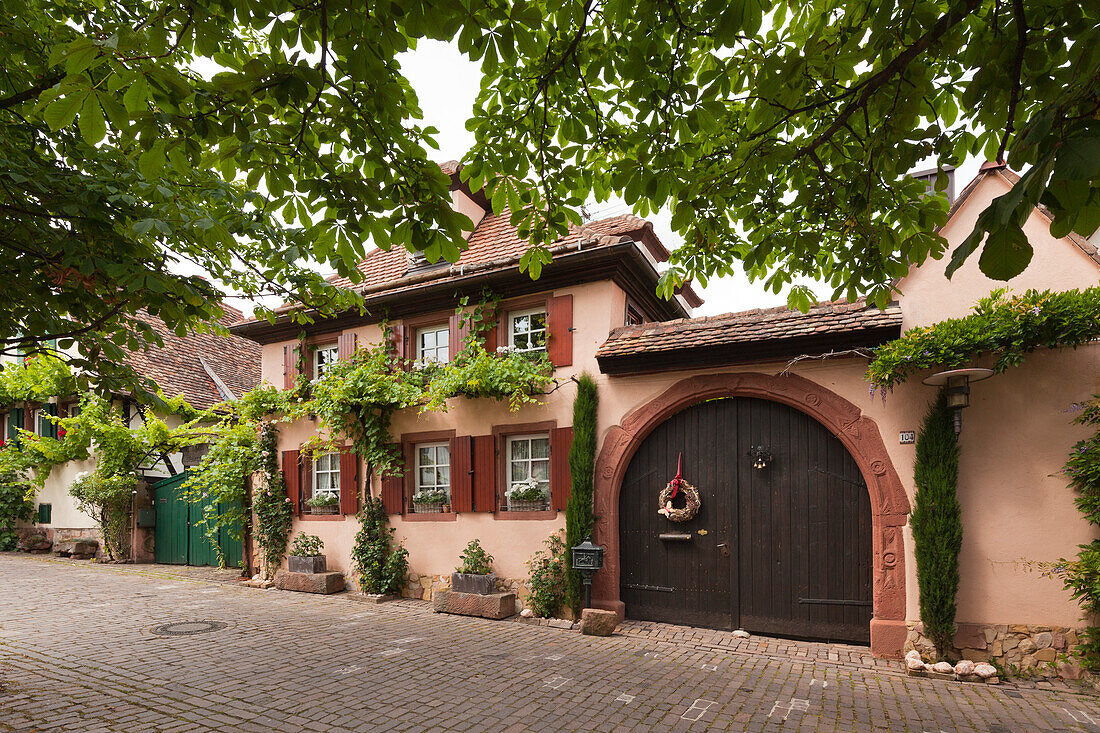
78	652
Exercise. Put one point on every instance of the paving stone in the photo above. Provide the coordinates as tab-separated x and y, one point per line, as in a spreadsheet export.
295	662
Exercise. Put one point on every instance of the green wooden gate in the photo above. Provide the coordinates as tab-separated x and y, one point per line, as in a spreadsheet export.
180	538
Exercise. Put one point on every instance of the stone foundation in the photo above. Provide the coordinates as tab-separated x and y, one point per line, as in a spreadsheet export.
1020	649
423	587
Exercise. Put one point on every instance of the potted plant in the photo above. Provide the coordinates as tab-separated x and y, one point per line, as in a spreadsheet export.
475	574
430	501
323	503
526	496
305	554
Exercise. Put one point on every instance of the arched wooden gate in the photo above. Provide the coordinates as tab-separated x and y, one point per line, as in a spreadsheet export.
783	550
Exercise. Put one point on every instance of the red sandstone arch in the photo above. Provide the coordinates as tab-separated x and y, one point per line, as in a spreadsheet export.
859	434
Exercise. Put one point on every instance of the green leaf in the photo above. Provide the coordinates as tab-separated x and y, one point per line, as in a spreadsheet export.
93	127
135	96
62	112
1006	253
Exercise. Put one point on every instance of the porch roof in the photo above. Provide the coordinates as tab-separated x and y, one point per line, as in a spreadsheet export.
748	336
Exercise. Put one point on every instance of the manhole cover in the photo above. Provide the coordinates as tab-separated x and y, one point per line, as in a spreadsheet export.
187	628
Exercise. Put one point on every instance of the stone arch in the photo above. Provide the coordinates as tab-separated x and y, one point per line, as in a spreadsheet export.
858	433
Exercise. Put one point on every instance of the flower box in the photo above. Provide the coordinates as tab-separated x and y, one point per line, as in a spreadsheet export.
306	564
482	585
429	508
515	505
333	509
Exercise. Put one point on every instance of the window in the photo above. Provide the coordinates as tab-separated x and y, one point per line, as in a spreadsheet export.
634	316
323	357
326	474
527	330
529	467
433	475
44	426
433	344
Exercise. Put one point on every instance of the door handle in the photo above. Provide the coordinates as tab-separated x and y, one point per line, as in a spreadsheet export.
724	548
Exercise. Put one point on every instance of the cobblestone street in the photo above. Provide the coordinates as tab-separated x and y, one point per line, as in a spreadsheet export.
79	652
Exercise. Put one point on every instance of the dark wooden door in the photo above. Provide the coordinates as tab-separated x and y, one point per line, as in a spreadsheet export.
784	550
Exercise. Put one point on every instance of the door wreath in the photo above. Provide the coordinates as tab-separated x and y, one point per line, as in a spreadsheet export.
674	488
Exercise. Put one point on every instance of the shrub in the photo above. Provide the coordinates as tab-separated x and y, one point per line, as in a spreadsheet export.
16	505
108	499
1082	575
430	496
475	560
323	499
937	524
547	578
579	518
527	490
381	562
306	545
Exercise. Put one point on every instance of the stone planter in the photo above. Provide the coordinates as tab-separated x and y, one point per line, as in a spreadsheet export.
480	584
334	509
429	508
526	506
307	564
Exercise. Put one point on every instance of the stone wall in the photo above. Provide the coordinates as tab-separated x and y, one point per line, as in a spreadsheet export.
1020	649
423	586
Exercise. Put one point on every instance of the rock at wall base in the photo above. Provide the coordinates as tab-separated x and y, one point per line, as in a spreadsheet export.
598	622
492	605
321	583
940	675
306	563
370	597
78	549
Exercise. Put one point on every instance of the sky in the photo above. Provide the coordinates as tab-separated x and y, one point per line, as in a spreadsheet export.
446	83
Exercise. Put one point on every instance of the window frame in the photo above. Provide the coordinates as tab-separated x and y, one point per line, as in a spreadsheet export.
511	317
417	466
511	440
420	331
315	470
409	441
319	349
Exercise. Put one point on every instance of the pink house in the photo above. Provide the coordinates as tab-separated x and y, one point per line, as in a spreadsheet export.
805	480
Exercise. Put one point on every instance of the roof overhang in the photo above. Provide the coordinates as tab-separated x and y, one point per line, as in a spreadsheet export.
746	352
623	263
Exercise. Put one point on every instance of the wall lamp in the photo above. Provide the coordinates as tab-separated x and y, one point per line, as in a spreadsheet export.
957	383
760	456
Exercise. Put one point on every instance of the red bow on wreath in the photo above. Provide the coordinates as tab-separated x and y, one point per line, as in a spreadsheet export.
679	475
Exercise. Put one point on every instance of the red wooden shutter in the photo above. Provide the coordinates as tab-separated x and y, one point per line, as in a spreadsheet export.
492	341
561	482
345	345
458	333
291	366
559	324
292	477
462	486
399	343
306	491
349	481
393	492
28	419
485	474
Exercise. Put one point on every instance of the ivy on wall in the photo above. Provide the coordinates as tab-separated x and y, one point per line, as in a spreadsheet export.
1002	325
1081	576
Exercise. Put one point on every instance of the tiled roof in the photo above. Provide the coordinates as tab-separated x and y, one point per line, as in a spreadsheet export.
178	366
493	240
772	324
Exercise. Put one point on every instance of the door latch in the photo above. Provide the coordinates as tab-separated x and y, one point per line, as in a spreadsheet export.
724	548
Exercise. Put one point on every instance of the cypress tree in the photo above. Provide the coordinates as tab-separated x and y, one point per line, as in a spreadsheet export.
937	524
579	518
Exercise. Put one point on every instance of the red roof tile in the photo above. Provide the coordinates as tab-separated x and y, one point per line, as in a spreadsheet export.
772	324
178	366
496	240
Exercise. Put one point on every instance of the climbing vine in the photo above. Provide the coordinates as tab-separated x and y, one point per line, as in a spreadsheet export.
270	504
1081	576
380	560
356	398
16	505
1001	325
35	379
107	498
